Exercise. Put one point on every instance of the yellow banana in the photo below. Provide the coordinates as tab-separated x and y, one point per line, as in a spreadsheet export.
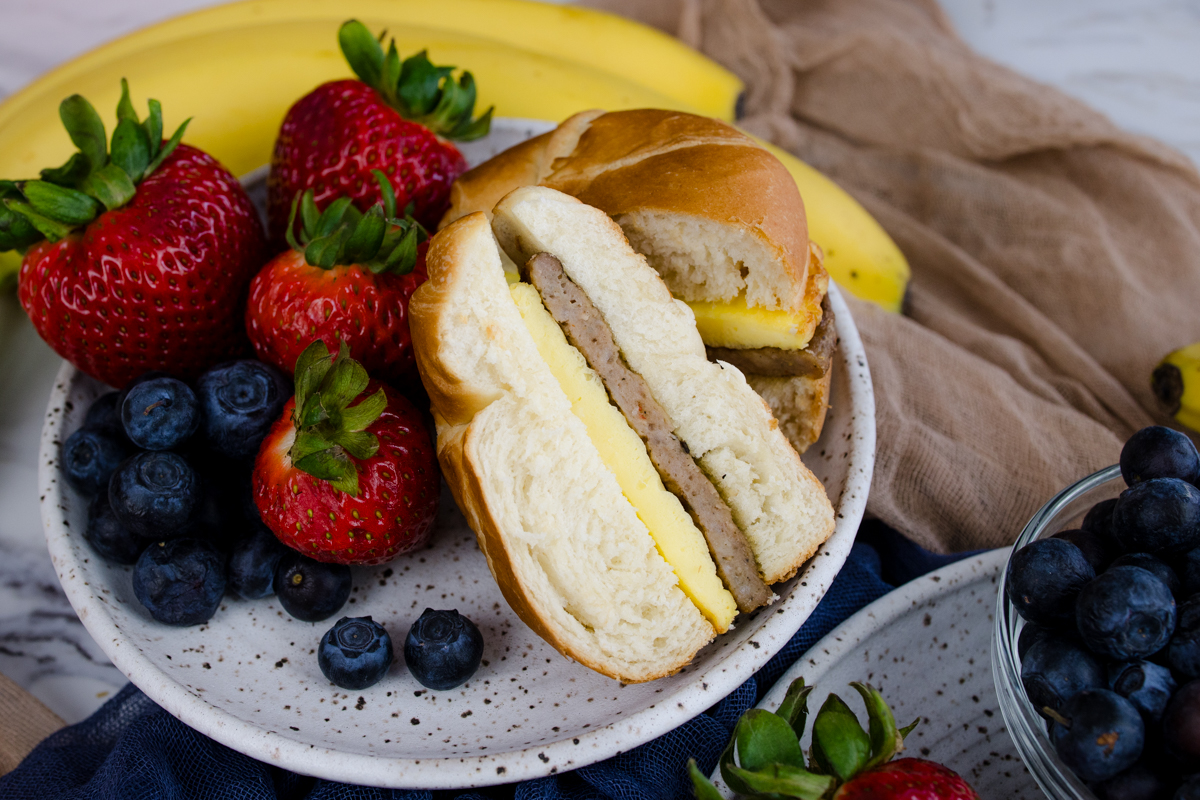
236	69
1176	383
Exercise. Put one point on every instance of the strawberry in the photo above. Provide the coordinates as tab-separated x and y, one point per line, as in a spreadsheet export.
764	760
347	277
138	259
342	483
398	118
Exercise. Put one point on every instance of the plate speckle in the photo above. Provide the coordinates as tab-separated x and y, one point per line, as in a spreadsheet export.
249	678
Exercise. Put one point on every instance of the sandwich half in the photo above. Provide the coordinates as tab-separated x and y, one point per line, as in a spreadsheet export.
631	496
719	218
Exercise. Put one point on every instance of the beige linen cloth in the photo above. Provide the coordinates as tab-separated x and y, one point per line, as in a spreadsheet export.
1055	257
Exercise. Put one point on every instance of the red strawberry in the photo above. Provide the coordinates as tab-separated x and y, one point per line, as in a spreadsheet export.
764	760
146	254
398	119
342	483
349	279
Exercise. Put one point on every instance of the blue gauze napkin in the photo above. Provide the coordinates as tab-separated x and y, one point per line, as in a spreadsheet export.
131	748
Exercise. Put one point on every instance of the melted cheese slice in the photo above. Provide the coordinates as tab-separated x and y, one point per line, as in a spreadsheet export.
679	541
734	324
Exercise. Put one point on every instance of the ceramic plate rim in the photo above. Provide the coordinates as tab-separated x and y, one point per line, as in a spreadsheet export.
463	772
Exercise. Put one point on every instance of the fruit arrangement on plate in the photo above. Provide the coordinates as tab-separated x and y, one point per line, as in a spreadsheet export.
1110	649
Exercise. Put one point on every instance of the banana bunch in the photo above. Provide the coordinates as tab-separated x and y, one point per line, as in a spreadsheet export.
236	69
1176	384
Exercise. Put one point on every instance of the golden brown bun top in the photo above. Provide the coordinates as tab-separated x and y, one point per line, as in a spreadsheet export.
657	161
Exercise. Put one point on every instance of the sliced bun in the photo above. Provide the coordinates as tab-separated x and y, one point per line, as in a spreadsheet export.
567	549
779	505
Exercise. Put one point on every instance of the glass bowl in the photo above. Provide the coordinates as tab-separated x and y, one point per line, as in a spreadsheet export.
1028	730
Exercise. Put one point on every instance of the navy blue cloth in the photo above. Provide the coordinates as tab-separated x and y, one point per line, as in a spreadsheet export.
131	748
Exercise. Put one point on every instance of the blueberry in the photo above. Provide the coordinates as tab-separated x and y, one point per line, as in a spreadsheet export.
155	495
104	416
1053	670
1183	654
355	653
240	402
1102	735
1099	519
1181	725
1158	452
160	414
90	458
1142	781
253	562
1189	573
1154	565
1125	614
1161	515
108	537
311	590
1098	550
1043	579
180	582
1148	686
1032	632
443	649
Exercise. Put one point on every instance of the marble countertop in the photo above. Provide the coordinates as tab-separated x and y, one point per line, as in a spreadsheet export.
1135	61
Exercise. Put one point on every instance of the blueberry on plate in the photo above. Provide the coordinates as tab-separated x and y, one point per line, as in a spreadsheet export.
355	653
160	414
1054	670
108	537
104	416
1159	452
1100	735
310	590
1126	614
1099	519
1181	725
1031	632
1189	573
1154	565
1142	781
1161	515
253	562
180	582
1148	686
1044	578
1183	653
1096	548
155	495
89	459
240	402
443	649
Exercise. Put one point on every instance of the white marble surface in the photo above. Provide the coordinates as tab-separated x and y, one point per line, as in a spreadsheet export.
1136	61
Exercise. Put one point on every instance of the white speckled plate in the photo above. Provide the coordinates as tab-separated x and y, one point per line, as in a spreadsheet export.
927	646
249	678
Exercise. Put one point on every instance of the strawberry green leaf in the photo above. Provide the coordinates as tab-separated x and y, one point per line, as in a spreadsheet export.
385	190
309	215
16	231
907	729
333	467
367	236
60	203
469	131
85	129
324	252
779	781
885	739
332	217
131	148
346	381
403	254
50	228
312	366
765	738
110	185
154	128
359	444
794	708
419	85
362	52
359	417
167	149
456	100
71	173
125	108
839	744
312	412
289	233
308	442
390	77
701	784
